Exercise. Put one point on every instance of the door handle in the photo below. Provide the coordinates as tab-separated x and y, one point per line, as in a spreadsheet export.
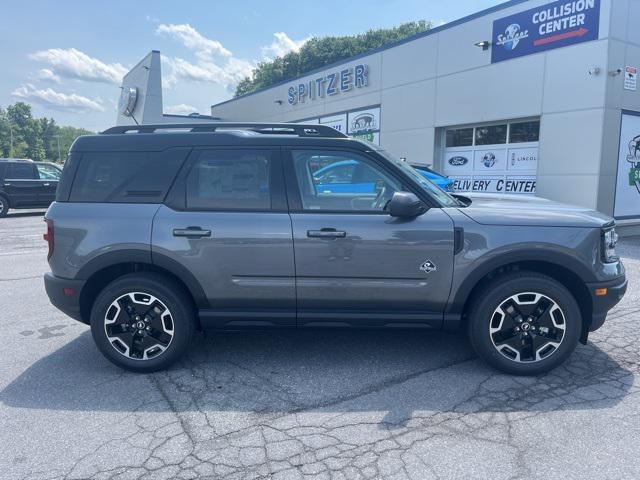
46	184
326	233
191	232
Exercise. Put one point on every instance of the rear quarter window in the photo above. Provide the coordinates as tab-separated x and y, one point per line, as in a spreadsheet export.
126	177
21	171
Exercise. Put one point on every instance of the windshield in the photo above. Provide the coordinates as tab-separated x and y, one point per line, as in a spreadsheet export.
443	197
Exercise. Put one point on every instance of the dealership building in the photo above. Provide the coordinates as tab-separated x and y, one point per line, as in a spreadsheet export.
528	97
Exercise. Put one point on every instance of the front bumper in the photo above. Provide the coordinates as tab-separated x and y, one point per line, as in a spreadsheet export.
615	290
64	294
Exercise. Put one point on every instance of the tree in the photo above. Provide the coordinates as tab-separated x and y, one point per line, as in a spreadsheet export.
34	138
318	52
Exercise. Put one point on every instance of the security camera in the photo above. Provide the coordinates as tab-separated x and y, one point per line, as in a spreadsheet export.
594	71
616	72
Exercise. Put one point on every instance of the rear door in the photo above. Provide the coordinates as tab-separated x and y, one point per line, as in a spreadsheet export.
226	222
22	183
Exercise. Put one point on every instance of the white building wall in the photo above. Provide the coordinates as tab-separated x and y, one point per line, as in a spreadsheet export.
443	79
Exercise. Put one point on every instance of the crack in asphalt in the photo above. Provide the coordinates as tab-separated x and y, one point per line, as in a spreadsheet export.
282	406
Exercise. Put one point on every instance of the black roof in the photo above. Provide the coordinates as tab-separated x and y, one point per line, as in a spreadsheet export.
160	137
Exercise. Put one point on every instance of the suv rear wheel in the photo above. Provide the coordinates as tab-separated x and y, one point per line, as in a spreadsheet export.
142	322
4	206
524	323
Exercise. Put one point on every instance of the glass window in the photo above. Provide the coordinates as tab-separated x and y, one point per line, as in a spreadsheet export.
48	172
427	185
342	182
460	137
230	180
524	132
20	171
125	177
491	135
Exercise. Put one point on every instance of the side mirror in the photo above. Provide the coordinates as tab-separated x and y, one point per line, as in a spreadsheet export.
406	205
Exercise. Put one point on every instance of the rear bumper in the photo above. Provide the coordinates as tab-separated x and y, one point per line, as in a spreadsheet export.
64	294
603	303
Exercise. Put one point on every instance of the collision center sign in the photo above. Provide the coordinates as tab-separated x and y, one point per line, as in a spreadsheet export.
549	26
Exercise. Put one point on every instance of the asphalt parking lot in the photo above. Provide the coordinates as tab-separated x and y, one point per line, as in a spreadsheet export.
344	405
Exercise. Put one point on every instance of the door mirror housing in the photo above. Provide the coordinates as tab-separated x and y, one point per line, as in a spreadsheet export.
406	205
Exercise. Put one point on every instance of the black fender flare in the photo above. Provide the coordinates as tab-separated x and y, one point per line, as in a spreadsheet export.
492	262
145	256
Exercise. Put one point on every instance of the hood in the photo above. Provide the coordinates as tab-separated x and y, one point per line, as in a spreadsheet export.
496	209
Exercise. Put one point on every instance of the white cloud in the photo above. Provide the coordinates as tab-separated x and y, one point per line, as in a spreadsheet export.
204	47
72	63
49	98
226	70
181	109
227	75
282	45
48	75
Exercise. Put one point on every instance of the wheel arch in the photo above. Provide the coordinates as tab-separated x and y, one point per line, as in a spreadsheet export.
107	267
561	267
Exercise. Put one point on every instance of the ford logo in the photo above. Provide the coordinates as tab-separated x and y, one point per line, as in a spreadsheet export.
458	161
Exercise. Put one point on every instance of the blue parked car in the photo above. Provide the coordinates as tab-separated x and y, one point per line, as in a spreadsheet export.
349	176
445	183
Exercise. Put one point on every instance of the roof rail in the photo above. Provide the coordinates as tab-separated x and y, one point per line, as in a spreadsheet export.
299	129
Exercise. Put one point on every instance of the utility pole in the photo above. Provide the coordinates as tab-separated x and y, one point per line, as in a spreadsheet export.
58	140
11	141
57	137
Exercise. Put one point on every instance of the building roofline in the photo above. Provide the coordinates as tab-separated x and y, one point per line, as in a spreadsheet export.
431	31
176	115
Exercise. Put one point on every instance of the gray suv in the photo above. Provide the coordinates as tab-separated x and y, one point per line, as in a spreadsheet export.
159	231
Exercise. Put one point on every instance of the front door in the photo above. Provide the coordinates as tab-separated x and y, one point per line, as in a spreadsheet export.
355	264
226	222
49	177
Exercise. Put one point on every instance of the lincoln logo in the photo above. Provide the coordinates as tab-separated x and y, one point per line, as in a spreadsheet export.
458	161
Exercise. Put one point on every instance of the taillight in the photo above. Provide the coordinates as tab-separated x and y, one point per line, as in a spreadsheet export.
49	237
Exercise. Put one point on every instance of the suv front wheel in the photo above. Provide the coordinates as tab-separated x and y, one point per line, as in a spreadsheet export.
524	323
142	322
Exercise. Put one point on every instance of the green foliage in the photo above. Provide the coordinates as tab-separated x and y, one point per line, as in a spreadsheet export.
318	52
23	136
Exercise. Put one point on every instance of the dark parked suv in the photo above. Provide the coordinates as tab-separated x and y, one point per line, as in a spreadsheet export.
158	231
26	184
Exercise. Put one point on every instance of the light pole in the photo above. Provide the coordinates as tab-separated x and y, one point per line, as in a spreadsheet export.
11	141
58	140
57	137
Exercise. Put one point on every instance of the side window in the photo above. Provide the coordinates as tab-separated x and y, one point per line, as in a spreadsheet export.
342	181
230	180
126	177
48	173
20	171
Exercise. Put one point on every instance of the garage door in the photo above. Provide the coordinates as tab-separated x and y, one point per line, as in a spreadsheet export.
496	158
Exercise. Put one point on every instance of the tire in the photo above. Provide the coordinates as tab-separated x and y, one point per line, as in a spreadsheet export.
143	322
4	206
509	303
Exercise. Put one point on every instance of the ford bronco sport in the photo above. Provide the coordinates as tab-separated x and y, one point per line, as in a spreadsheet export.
159	231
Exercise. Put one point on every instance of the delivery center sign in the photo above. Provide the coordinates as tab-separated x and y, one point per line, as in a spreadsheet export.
549	26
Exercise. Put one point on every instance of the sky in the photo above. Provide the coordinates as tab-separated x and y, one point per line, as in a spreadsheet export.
67	58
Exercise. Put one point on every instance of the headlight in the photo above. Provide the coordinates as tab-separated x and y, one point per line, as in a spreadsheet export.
609	242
